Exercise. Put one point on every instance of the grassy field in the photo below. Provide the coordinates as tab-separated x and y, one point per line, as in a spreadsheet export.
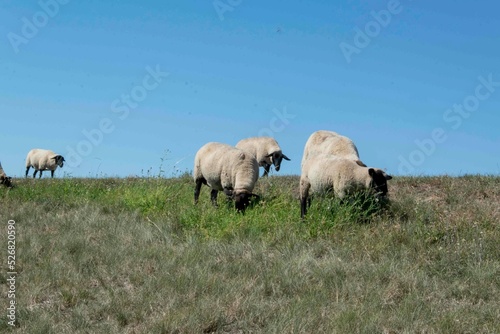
135	255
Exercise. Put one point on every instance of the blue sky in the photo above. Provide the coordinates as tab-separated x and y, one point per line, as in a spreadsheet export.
121	88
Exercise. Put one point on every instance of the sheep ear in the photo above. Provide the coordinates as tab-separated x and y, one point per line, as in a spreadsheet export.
286	158
388	177
360	163
228	192
371	172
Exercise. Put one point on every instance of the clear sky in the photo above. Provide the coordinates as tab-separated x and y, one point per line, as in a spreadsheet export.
122	88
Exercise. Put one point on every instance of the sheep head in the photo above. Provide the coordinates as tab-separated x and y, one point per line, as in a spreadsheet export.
379	181
241	199
59	160
6	181
276	158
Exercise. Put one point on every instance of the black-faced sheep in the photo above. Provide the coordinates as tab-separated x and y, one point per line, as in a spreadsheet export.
342	176
228	169
265	149
330	143
42	160
4	179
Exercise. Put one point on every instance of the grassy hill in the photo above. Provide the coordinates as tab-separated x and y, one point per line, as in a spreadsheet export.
135	255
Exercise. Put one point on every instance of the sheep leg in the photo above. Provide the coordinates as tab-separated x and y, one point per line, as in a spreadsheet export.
266	170
197	189
40	176
34	174
213	196
27	170
52	173
305	200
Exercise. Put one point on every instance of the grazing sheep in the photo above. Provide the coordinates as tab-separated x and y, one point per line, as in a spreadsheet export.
343	176
42	160
332	144
4	179
265	149
225	168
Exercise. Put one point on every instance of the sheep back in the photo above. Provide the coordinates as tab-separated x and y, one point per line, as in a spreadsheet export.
260	148
41	159
343	176
330	143
226	167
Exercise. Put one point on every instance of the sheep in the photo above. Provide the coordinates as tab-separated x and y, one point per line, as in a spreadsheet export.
226	168
266	150
344	176
332	144
42	160
4	179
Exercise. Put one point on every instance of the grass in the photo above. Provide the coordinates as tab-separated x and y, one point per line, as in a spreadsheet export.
135	255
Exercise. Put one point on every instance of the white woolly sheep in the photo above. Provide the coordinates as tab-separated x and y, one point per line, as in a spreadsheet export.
330	143
225	168
42	160
4	179
265	149
343	176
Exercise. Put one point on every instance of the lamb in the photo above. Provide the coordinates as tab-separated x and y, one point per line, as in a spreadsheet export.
226	168
332	144
265	149
344	176
4	179
42	160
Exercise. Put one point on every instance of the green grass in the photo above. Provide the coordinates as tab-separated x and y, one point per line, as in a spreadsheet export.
135	255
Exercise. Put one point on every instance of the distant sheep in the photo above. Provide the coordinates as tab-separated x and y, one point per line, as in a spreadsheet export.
226	168
42	160
266	150
331	144
342	176
4	179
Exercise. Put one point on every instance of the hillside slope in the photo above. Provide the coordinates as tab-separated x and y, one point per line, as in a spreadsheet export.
135	255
